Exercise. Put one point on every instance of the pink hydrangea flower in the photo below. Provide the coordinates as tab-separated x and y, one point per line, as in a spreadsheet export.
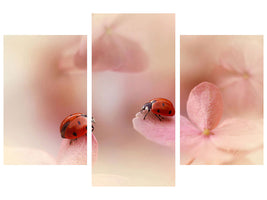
73	59
115	52
240	74
206	141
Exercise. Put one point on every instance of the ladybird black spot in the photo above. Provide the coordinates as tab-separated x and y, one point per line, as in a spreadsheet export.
158	110
86	127
74	134
170	112
163	104
79	122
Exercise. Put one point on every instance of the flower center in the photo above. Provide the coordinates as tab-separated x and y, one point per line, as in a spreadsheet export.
245	75
108	30
206	132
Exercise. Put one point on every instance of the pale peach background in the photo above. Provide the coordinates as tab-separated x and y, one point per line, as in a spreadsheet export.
38	95
200	55
118	96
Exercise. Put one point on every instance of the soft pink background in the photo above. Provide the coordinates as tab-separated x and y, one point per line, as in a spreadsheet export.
203	59
38	92
118	96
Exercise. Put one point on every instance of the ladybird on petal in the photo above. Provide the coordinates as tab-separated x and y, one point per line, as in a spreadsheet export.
160	107
74	126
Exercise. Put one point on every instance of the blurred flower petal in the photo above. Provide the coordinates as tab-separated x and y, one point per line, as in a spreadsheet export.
27	156
74	153
205	152
74	58
244	158
114	52
80	57
240	74
161	132
197	148
233	61
188	132
237	134
205	106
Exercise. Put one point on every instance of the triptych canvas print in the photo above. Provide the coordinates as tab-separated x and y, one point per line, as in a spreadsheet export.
142	112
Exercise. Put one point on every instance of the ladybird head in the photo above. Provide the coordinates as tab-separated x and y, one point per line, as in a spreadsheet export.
147	106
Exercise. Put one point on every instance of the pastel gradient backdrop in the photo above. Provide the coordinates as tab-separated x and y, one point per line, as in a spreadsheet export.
133	62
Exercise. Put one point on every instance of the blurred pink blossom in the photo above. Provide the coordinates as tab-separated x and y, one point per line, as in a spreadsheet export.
115	52
203	140
160	132
74	58
240	75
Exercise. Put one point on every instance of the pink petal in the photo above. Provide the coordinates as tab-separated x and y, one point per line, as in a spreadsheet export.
240	75
233	61
161	132
255	157
205	106
247	94
203	151
244	58
80	57
74	153
94	149
197	148
27	156
74	58
114	52
188	132
188	136
238	135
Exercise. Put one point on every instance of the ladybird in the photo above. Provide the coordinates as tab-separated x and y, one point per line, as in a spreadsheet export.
74	126
159	106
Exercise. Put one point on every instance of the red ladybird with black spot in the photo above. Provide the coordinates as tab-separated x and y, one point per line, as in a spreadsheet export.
160	107
74	126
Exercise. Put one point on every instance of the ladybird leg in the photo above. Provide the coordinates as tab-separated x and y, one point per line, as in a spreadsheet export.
158	116
93	128
161	117
72	140
146	114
